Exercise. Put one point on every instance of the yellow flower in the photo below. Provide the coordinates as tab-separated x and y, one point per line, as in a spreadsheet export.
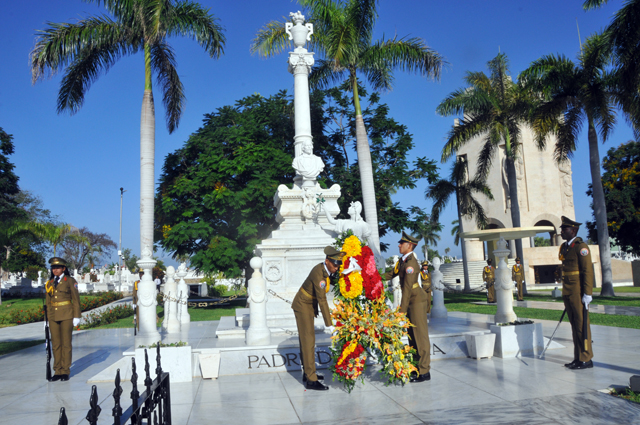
352	246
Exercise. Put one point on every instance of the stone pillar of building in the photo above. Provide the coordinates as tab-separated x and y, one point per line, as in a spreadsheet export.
147	303
258	332
438	310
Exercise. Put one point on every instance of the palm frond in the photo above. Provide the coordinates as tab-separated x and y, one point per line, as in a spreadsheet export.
164	64
406	54
190	19
271	39
325	73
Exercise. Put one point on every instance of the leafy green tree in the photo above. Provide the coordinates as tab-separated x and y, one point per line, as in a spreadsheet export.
130	260
343	36
540	241
576	94
621	185
93	45
492	107
78	246
9	210
53	233
426	229
464	189
390	148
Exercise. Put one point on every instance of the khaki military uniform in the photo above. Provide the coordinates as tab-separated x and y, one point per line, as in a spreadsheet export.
63	304
135	301
577	281
517	275
413	303
312	293
426	285
489	276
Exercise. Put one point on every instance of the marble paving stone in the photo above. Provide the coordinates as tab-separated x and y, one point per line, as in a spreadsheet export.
75	400
402	418
490	414
214	392
239	412
590	408
45	418
326	405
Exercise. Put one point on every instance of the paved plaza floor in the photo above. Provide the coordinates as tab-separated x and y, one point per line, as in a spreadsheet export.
522	390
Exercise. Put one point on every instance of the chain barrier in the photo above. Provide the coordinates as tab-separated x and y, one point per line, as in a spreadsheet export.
166	297
272	292
222	301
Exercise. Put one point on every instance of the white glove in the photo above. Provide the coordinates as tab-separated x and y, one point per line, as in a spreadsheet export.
76	321
331	329
586	299
133	306
45	324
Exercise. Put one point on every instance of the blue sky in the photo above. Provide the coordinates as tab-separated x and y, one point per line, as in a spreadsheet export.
77	164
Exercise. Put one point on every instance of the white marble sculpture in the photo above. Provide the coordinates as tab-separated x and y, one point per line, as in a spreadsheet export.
183	295
308	165
356	223
258	332
171	323
438	311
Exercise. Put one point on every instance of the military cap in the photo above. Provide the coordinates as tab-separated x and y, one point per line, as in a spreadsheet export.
408	238
425	263
57	261
334	255
489	261
567	222
518	259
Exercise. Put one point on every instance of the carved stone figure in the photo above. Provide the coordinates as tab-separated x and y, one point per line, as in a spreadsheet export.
356	223
308	165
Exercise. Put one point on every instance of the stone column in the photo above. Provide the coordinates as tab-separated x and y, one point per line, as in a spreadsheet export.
183	296
171	323
258	332
300	64
438	310
147	303
504	286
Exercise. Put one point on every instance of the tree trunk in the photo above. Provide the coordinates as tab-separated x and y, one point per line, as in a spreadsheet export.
366	177
515	210
600	212
465	266
147	170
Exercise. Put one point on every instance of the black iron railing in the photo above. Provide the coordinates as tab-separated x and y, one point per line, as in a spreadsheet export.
152	407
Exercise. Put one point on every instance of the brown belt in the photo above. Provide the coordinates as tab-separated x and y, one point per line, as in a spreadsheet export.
307	294
61	303
571	273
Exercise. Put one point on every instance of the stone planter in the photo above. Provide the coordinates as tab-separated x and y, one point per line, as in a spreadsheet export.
518	340
480	344
175	360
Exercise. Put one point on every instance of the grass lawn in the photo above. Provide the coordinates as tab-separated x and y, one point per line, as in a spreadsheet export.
461	302
13	304
10	347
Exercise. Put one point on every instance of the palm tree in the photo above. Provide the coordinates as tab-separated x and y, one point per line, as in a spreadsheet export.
52	233
575	93
468	207
428	230
455	232
492	107
623	38
343	32
91	47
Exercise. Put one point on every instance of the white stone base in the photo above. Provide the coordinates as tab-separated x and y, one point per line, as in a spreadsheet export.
175	360
480	344
518	340
85	287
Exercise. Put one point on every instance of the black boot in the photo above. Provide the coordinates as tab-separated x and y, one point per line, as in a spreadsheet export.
305	379
316	385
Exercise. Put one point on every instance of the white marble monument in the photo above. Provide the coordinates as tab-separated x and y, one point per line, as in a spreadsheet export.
258	332
438	310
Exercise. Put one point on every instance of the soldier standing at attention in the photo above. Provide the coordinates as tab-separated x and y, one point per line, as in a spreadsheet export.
312	293
63	311
489	278
426	283
413	304
517	275
136	316
577	287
